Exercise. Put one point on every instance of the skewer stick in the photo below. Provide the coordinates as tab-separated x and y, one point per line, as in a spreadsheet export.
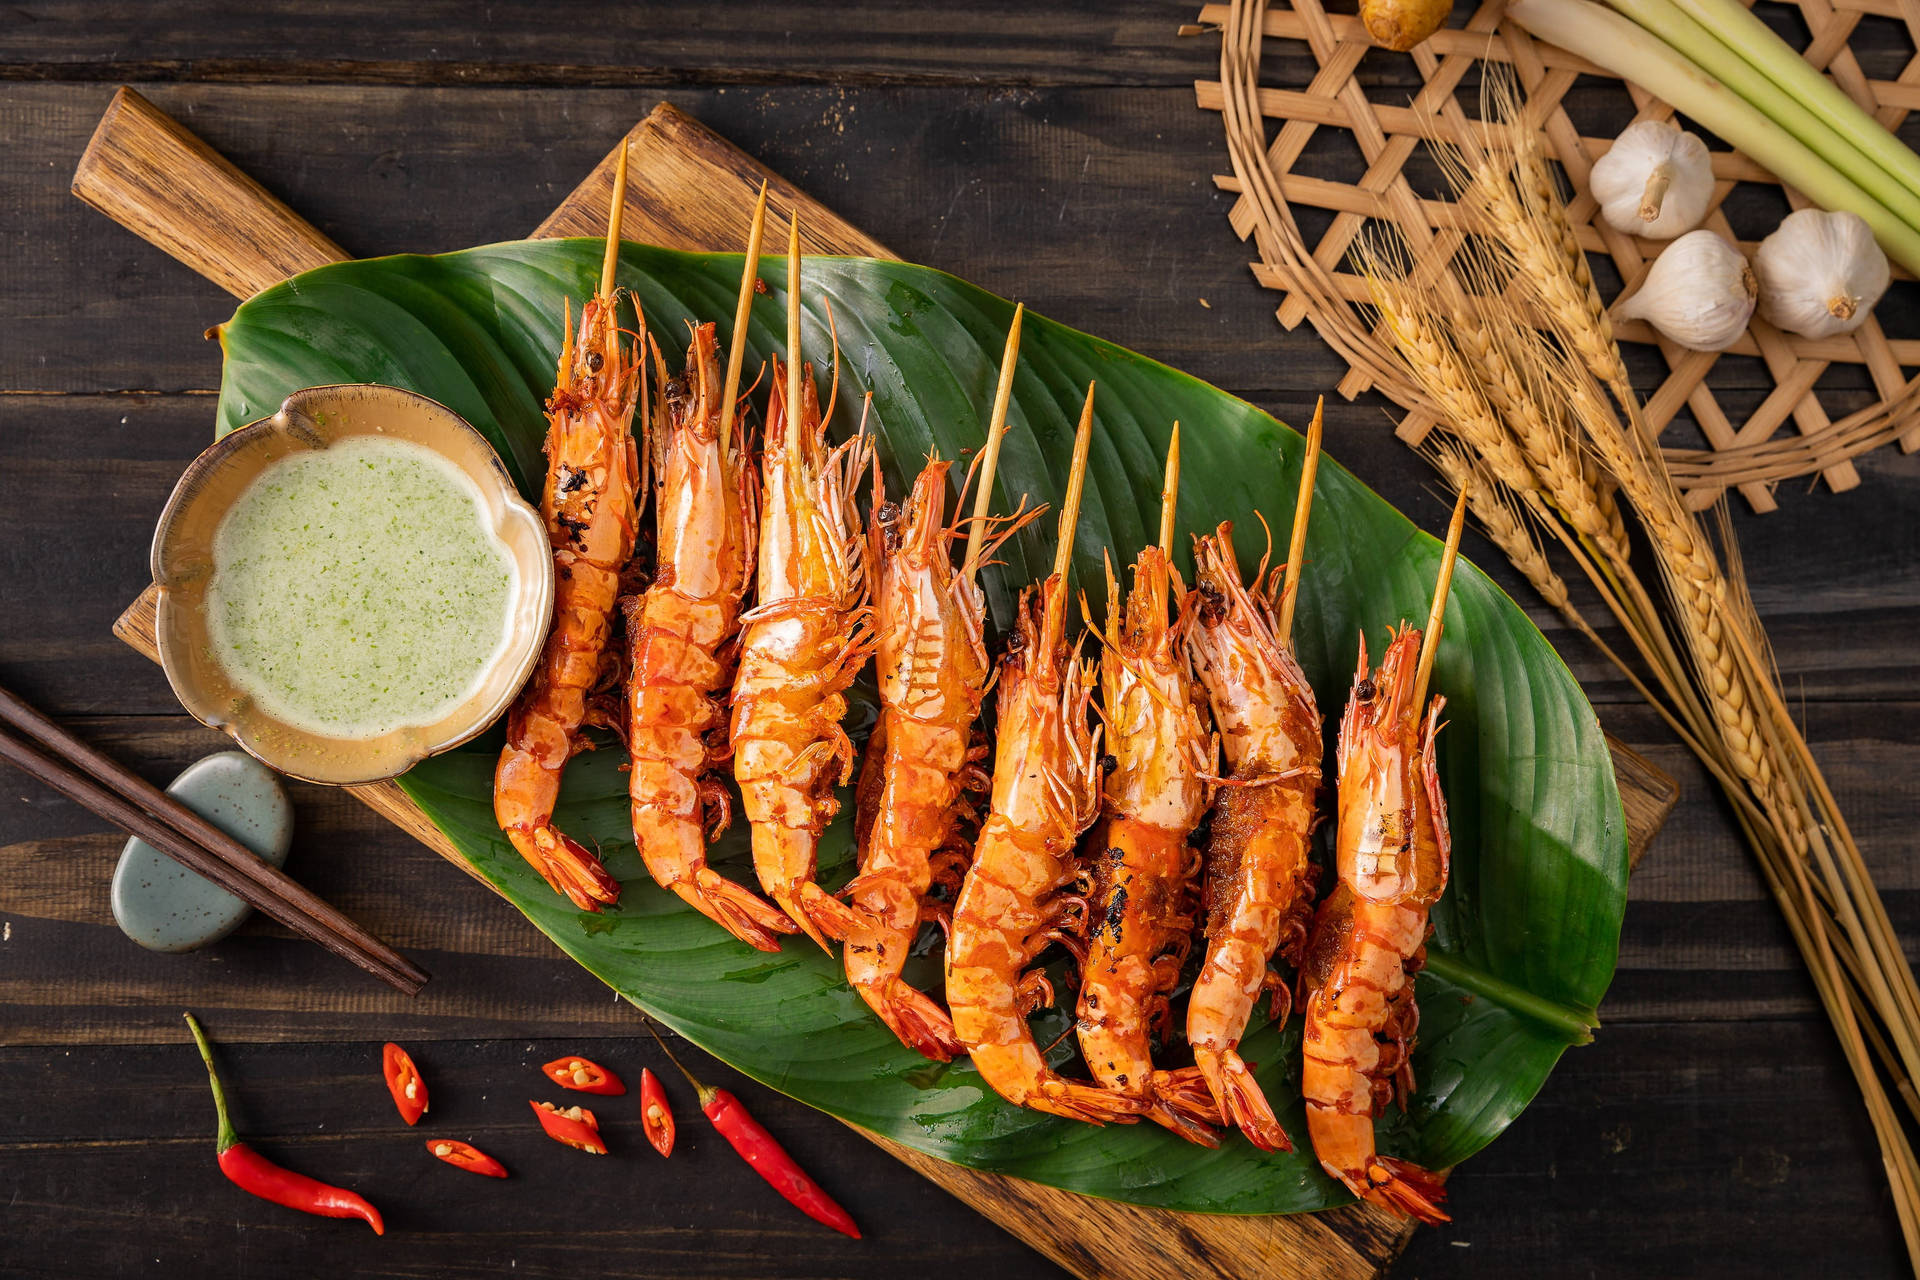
1431	641
1170	493
793	331
996	432
1302	507
611	263
742	313
1069	521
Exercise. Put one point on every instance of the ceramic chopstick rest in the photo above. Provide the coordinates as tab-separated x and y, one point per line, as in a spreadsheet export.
165	907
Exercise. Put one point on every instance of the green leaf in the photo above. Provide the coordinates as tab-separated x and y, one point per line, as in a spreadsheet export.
1524	941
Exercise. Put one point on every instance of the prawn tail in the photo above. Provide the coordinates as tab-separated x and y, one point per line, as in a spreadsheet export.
1087	1103
819	914
1240	1100
1183	1103
1407	1189
567	865
735	908
912	1015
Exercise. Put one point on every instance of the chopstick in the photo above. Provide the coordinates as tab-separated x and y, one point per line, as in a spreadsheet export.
133	804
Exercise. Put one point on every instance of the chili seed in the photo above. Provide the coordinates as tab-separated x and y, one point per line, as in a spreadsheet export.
581	1077
443	1150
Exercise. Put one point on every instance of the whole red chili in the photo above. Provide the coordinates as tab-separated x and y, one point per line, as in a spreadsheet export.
257	1175
655	1115
583	1076
404	1083
462	1156
759	1149
576	1126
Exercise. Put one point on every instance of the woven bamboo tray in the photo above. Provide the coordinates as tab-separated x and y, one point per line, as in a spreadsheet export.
1739	443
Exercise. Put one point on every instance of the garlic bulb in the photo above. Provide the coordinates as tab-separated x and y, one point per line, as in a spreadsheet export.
1820	273
1699	292
1655	181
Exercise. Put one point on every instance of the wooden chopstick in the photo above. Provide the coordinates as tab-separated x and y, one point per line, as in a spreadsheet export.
133	804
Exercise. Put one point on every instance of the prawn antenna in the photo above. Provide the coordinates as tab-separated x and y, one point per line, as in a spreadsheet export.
1170	492
1297	538
1056	613
742	315
990	455
1435	616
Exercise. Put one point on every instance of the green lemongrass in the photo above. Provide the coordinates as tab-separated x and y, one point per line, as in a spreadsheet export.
1606	39
1780	102
1756	42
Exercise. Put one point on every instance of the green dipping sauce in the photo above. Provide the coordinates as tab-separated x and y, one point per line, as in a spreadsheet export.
356	589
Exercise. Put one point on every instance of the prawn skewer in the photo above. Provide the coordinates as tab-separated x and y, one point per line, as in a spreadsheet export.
1012	903
1370	935
803	642
1259	881
932	665
590	505
704	506
1141	900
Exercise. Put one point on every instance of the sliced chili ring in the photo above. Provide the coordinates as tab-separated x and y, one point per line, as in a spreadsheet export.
462	1156
655	1115
584	1076
404	1083
575	1126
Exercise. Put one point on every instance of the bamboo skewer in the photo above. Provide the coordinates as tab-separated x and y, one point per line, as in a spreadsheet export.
610	264
1302	508
1170	493
990	459
1056	613
793	334
1430	642
742	315
48	752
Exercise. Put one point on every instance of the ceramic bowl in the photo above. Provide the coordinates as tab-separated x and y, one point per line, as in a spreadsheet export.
183	567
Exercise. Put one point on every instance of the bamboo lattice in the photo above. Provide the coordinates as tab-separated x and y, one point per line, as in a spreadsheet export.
1750	452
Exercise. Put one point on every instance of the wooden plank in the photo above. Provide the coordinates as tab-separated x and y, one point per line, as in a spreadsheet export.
692	193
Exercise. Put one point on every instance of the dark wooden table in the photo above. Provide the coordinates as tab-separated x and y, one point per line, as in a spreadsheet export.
1056	156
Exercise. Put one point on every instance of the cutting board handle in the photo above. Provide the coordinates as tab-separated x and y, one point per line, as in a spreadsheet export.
151	175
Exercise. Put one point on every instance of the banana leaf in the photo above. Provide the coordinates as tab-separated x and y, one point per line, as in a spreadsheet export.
1524	940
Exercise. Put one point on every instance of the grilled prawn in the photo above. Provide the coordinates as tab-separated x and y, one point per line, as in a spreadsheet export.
1014	901
1142	872
1259	885
1369	936
590	504
932	666
803	643
704	508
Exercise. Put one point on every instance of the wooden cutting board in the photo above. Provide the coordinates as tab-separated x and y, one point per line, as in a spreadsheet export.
691	189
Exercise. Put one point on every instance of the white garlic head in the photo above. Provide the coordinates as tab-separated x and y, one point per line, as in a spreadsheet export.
1699	292
1655	181
1820	273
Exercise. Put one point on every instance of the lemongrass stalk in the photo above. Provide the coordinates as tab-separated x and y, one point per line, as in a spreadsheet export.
1762	90
1756	42
1603	37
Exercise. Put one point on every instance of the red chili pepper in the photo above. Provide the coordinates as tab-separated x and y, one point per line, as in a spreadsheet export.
655	1115
404	1083
253	1173
575	1126
583	1076
462	1156
759	1149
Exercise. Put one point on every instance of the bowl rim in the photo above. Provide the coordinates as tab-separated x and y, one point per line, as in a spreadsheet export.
226	707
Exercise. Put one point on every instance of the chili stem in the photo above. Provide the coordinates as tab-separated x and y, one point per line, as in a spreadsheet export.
227	1136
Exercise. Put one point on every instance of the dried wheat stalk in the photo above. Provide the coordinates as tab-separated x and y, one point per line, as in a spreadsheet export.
1545	425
